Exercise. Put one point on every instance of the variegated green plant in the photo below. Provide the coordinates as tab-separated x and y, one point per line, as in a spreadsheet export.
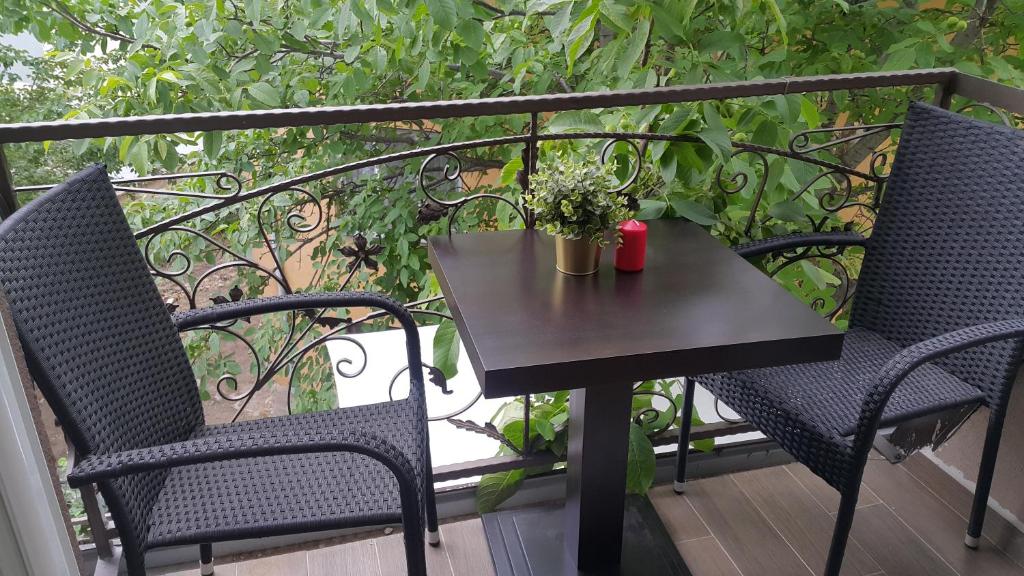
576	199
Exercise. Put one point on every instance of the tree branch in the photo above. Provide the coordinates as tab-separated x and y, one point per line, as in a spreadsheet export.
976	26
65	13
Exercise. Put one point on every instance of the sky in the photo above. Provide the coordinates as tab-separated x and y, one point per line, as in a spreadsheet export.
26	42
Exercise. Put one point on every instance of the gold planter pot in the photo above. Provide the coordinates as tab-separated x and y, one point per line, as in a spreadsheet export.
577	257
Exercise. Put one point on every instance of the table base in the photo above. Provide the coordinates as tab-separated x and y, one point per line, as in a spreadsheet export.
529	542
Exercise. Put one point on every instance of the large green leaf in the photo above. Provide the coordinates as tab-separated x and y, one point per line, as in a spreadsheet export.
650	209
582	34
809	111
693	211
715	134
634	48
820	277
265	93
902	59
544	428
780	20
575	121
211	144
494	489
788	211
446	349
443	12
471	32
640	467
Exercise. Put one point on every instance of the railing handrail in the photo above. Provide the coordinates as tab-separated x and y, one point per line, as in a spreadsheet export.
405	111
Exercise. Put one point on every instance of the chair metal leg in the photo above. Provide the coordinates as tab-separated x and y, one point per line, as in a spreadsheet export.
206	559
841	532
415	555
985	474
433	536
684	435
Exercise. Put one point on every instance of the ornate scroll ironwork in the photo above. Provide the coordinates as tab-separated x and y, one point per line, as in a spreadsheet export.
837	189
452	172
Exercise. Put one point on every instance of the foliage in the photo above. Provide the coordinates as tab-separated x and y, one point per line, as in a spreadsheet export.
42	92
73	500
655	409
576	199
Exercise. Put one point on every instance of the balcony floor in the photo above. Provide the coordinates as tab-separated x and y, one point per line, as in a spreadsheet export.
774	521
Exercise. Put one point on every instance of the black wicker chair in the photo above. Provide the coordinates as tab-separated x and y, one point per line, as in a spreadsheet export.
936	320
107	357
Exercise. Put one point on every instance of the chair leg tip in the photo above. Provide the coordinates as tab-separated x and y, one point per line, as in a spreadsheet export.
206	569
971	542
433	538
678	487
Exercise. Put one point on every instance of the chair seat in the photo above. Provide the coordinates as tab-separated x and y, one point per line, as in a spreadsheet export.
277	495
812	409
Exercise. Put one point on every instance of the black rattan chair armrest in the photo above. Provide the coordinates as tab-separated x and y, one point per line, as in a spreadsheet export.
307	301
221	447
798	240
912	357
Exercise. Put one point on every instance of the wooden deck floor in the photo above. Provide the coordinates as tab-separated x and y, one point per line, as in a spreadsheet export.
770	522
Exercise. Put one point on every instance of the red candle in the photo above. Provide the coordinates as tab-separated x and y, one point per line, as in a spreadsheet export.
629	254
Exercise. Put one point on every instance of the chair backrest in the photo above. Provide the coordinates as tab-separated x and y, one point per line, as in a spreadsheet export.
947	249
98	340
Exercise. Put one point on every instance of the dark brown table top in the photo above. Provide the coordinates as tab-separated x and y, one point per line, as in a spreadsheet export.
696	308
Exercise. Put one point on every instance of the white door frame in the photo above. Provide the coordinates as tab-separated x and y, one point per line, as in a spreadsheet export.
30	509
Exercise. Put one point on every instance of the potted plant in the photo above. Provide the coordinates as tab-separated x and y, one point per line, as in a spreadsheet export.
575	201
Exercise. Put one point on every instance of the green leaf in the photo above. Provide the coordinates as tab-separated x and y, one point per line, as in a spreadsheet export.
902	59
494	489
471	32
582	34
667	164
446	349
124	147
693	211
766	133
618	15
575	121
80	146
443	12
722	41
687	11
265	93
634	48
171	77
780	20
809	112
650	209
705	445
509	170
141	27
715	134
820	277
254	9
640	466
787	211
211	144
545	429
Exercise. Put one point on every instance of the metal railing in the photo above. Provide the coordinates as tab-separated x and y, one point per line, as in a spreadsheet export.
853	191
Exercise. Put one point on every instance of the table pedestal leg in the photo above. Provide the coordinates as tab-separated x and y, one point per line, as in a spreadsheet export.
599	531
596	475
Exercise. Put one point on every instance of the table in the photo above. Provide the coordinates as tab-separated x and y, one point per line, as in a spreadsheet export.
527	328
